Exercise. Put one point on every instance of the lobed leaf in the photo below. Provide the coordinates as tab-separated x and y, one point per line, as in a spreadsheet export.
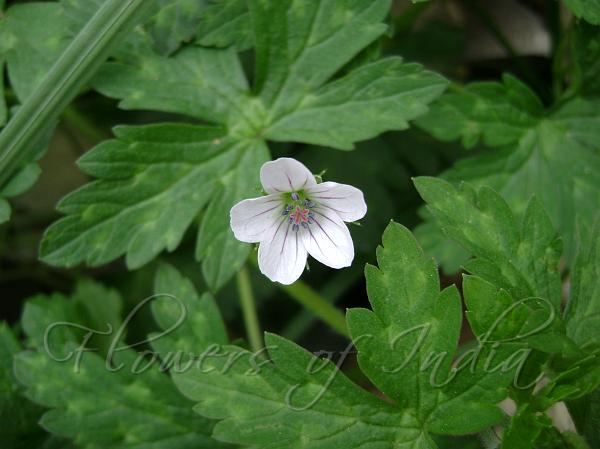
226	23
153	182
18	416
138	406
35	38
497	113
412	334
532	157
175	296
581	316
296	400
202	83
175	23
300	44
141	211
372	99
520	257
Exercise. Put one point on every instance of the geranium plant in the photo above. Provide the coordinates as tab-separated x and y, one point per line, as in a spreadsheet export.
439	161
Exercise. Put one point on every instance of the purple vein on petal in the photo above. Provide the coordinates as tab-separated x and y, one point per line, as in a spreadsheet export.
287	231
289	181
333	209
277	230
325	232
296	259
254	216
316	241
330	197
263	212
325	216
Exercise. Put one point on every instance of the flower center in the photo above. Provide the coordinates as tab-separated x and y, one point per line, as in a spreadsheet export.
299	211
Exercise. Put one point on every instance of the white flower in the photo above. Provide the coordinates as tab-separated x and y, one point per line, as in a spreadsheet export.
298	217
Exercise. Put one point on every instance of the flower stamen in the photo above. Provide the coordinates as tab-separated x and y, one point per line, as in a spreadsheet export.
300	214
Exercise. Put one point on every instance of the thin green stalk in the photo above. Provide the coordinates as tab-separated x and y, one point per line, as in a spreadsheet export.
314	302
249	309
332	291
72	70
309	298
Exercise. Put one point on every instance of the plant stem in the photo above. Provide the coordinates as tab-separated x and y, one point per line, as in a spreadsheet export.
249	309
309	298
314	302
331	292
72	70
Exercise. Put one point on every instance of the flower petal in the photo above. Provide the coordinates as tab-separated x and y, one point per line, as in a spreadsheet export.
347	201
285	175
328	240
251	219
282	258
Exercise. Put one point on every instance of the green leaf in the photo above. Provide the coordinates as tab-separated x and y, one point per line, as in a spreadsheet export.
266	409
101	308
153	182
581	316
525	428
138	406
520	257
3	49
221	253
586	9
497	113
532	167
412	334
449	254
387	93
35	36
202	83
573	377
296	400
226	23
18	416
22	181
532	157
250	394
176	296
92	305
175	23
301	44
209	84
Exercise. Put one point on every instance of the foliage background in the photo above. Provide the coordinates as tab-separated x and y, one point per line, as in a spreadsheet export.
539	135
